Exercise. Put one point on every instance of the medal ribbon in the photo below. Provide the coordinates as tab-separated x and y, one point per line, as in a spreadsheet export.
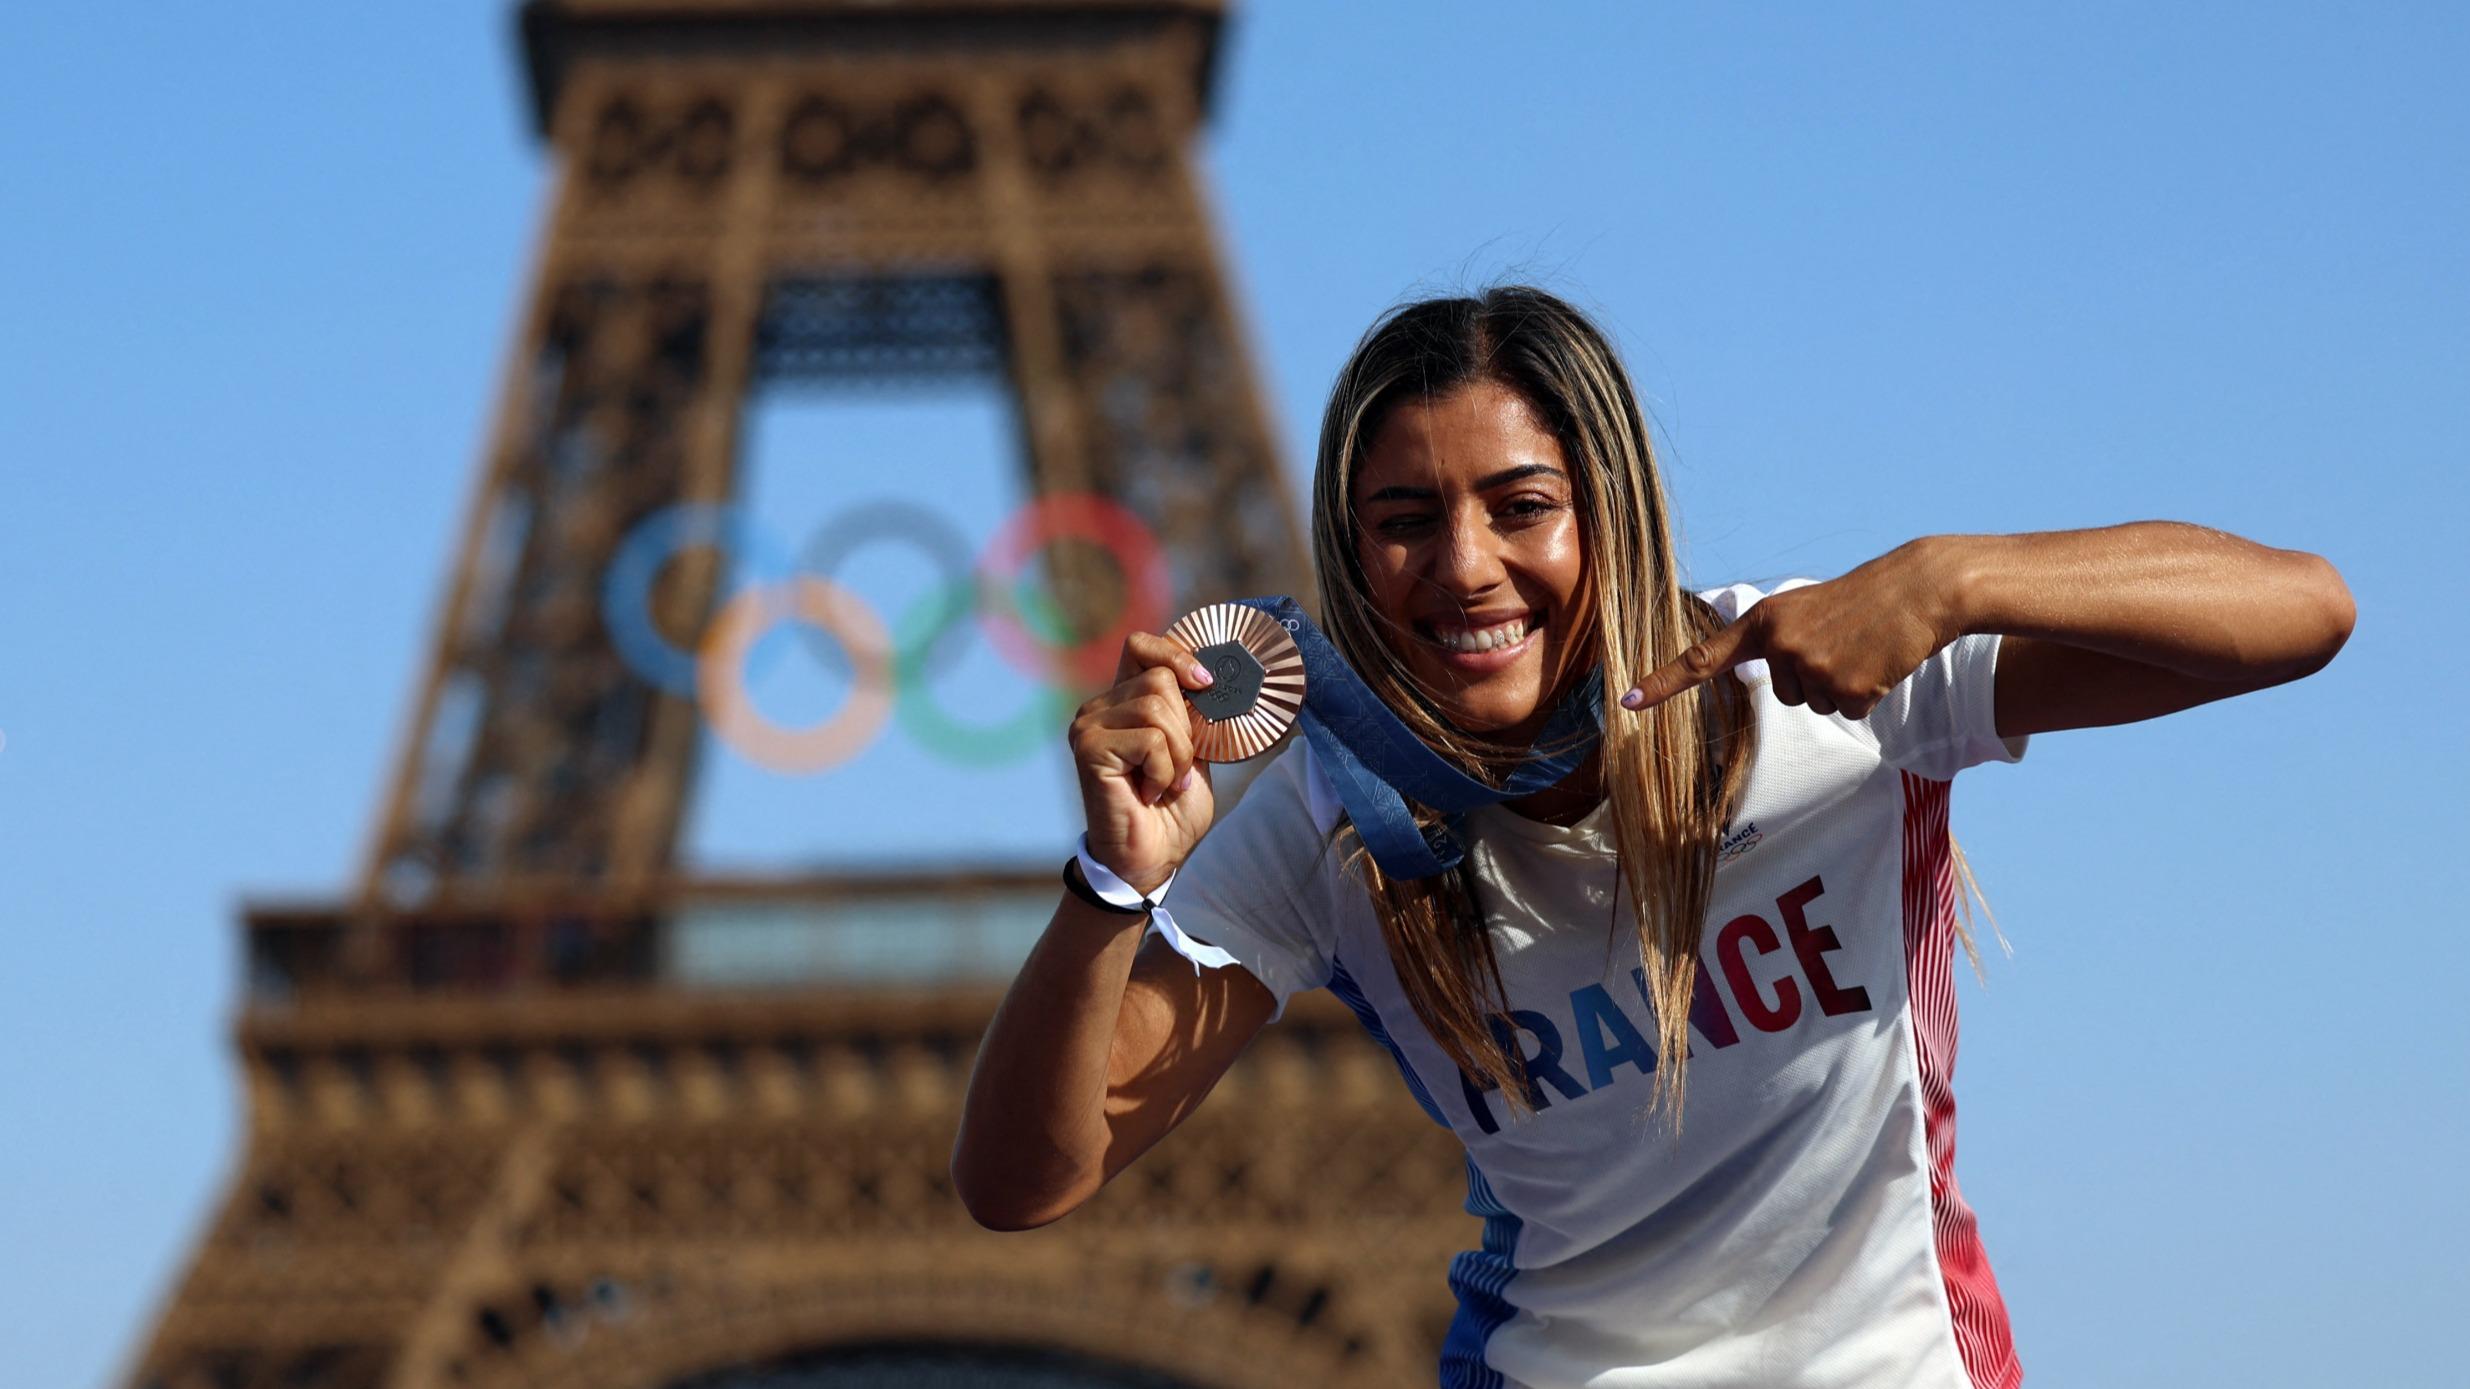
1374	761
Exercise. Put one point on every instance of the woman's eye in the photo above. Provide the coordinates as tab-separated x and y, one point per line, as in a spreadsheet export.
1524	509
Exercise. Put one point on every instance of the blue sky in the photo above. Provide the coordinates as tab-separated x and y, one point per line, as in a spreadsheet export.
1880	272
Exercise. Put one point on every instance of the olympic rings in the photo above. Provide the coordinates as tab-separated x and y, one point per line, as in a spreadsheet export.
742	622
978	745
888	675
1148	586
626	591
890	519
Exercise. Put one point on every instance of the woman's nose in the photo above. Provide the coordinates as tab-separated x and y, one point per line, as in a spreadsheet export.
1467	556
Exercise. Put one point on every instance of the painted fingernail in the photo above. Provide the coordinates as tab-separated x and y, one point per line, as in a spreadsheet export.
1633	699
1201	676
1184	782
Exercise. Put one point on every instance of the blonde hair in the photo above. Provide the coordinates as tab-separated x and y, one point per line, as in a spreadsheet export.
1674	774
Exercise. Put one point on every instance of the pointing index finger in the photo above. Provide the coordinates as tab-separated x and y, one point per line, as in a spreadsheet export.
1702	662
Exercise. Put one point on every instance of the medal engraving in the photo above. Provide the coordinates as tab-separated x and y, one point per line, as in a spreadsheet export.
1257	687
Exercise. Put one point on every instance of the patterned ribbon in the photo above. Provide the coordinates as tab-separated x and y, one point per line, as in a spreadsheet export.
1374	761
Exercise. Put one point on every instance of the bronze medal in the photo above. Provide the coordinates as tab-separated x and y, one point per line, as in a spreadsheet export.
1258	679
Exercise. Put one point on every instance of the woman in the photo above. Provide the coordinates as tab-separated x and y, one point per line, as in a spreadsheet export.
1770	794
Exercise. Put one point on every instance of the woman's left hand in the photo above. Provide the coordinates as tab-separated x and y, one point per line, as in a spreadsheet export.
1838	646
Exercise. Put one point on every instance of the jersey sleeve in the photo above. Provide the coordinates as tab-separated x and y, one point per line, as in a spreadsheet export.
1944	716
1937	721
1255	891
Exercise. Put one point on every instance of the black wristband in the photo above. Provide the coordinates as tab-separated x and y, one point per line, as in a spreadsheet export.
1080	888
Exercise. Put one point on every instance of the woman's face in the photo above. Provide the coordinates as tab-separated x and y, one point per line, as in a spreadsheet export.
1467	531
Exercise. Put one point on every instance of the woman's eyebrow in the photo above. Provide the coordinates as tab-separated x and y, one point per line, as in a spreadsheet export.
1419	494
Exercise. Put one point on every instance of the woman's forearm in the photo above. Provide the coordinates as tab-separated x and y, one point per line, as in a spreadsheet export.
1033	1132
2187	598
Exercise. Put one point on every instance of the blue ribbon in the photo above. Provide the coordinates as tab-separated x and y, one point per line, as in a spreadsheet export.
1374	761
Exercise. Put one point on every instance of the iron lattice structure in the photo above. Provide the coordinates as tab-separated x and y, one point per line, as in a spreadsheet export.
524	1110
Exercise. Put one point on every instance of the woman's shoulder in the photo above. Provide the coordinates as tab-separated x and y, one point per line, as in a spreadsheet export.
1261	883
1938	719
1732	600
1285	812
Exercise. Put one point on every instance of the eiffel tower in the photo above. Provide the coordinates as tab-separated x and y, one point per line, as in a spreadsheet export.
531	1107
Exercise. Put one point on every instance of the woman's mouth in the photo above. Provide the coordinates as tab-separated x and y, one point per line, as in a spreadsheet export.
1481	649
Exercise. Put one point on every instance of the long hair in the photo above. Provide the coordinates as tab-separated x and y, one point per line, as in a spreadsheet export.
1674	773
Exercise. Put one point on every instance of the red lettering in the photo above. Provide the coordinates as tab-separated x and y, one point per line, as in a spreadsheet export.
1753	928
1706	1008
1707	1011
1811	945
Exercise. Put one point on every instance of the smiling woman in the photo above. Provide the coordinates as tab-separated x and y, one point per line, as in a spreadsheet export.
1485	460
1468	563
1769	805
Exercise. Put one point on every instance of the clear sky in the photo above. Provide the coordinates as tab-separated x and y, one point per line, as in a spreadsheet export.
1881	271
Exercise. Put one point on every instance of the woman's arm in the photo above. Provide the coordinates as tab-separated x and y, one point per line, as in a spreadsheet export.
2098	626
1098	1051
2131	622
1101	1046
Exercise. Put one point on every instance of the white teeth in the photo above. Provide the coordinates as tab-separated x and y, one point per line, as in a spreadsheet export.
1509	633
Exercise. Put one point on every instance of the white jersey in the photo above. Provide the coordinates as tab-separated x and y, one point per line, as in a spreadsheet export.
1805	1227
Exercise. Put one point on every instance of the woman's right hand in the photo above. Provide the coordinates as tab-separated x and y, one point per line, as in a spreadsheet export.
1146	798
